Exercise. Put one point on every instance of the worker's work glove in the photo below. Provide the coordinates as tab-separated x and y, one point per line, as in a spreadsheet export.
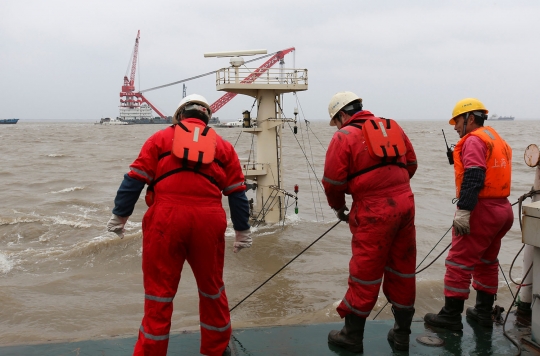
242	240
116	224
461	222
341	214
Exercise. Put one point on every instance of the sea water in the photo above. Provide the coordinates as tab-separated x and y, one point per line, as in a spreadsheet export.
63	277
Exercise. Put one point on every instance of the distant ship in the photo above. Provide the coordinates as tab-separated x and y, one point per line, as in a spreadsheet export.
232	124
141	114
495	117
108	121
8	121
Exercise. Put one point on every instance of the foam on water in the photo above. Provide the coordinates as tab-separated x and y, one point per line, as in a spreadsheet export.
58	220
17	220
5	264
67	190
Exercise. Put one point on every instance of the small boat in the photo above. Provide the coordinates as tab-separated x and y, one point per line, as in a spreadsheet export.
8	121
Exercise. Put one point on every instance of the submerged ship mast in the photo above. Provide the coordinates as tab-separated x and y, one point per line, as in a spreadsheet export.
266	85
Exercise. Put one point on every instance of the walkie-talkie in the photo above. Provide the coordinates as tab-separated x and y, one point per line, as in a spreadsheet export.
449	152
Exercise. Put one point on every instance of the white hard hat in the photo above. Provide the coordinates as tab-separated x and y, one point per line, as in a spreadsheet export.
192	99
339	101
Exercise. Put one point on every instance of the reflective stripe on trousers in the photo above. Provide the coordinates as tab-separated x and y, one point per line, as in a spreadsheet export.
474	256
383	244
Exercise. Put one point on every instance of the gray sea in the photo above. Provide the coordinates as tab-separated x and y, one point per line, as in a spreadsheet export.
63	277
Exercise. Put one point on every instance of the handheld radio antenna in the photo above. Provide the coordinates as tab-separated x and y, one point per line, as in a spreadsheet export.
449	152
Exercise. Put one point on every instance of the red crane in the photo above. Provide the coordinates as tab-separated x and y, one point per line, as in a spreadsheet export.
218	104
129	98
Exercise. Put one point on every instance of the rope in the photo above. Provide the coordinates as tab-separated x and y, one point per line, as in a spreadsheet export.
436	258
520	200
508	284
307	122
288	263
310	182
241	130
516	344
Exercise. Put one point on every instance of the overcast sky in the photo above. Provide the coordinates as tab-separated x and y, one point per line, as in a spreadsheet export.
66	59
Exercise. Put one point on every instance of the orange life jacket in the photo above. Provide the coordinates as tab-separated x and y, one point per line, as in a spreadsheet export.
384	140
498	163
195	145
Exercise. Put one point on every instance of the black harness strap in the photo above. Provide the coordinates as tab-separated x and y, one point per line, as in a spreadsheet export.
178	170
199	162
378	165
183	126
185	160
163	155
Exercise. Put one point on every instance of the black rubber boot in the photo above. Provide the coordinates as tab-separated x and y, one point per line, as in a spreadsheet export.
399	335
481	313
227	351
450	315
351	336
524	313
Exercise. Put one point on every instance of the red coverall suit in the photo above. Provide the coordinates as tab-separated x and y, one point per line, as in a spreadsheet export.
475	254
185	222
381	219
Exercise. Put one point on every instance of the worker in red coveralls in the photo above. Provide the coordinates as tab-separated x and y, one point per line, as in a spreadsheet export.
483	167
373	160
187	167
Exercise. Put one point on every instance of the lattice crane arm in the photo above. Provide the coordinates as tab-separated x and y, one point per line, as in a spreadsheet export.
134	60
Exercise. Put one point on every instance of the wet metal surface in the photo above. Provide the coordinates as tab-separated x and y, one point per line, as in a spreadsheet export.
307	340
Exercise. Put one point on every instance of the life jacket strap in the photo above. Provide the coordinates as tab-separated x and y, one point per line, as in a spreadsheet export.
378	165
178	170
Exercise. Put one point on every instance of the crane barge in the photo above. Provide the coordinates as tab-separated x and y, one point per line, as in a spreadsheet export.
134	107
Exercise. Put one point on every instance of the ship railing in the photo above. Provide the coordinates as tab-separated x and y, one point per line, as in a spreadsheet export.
234	75
252	169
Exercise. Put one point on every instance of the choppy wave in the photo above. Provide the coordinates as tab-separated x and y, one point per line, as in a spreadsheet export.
58	220
54	155
67	190
18	220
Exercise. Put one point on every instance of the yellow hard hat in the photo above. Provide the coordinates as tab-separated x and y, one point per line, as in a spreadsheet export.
339	101
466	105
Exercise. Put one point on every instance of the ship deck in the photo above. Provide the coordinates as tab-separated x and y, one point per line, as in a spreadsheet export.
309	340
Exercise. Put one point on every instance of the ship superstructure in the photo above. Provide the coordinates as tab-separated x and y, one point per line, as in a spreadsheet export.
266	170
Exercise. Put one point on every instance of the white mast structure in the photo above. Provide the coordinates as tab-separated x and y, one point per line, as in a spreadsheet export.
266	168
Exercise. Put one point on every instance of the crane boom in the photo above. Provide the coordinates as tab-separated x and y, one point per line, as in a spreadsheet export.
134	60
218	104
